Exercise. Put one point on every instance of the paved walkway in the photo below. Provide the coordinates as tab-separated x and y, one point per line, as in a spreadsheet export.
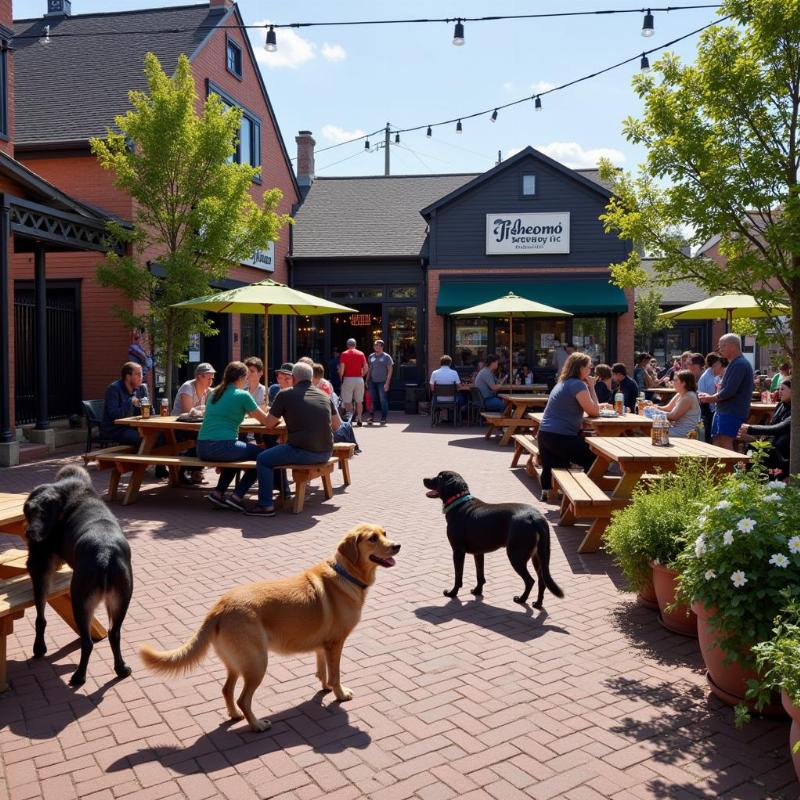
587	699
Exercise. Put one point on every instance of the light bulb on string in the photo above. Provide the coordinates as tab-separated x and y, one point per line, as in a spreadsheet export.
366	144
272	41
537	104
459	129
397	138
458	34
648	29
430	132
494	116
645	63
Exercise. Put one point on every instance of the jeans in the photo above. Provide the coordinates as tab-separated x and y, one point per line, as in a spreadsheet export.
493	403
379	398
123	435
558	451
276	457
230	451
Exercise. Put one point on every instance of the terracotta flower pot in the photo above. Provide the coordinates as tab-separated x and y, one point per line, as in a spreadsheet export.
794	734
681	619
647	596
727	681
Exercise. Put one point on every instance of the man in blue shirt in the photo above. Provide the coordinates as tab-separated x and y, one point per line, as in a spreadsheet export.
733	396
123	398
628	387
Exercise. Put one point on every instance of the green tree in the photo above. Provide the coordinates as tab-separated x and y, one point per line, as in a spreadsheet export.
722	159
194	215
646	321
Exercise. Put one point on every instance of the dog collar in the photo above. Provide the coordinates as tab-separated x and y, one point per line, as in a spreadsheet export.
347	576
452	502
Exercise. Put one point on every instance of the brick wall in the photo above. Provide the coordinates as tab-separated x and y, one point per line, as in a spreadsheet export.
6	20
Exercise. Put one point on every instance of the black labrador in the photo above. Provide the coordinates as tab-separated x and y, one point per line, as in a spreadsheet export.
477	528
68	521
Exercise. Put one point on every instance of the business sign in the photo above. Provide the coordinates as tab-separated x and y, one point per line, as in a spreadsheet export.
262	259
360	320
527	234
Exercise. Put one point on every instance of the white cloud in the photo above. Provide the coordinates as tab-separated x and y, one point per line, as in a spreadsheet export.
333	52
335	134
508	86
572	155
512	152
293	50
542	86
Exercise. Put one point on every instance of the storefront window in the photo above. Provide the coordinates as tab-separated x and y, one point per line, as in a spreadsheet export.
402	344
471	341
545	333
402	292
311	337
520	348
589	336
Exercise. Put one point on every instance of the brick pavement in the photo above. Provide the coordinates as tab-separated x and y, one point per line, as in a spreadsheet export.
587	699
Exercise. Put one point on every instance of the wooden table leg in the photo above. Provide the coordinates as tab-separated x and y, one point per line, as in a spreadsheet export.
149	438
624	491
62	605
509	430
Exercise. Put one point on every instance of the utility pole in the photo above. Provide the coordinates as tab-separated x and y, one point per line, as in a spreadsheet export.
386	170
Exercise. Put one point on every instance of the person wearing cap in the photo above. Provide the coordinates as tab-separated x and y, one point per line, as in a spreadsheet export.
194	393
283	380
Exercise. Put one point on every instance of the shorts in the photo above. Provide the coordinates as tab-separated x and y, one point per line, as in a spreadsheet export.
352	390
726	424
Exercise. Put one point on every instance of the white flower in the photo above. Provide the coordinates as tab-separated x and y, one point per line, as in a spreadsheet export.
739	579
700	546
772	498
727	537
749	453
779	560
701	520
746	525
723	504
794	544
776	485
710	574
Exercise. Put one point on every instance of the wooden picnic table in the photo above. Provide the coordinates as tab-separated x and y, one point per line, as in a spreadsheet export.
663	390
12	520
636	457
607	426
514	416
151	428
761	413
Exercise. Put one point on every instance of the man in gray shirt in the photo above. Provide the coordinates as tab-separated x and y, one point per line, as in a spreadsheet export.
485	380
379	378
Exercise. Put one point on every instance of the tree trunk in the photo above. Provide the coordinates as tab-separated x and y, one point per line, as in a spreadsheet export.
169	359
794	451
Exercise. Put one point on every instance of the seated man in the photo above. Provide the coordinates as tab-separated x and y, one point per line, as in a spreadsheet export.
628	387
310	419
444	376
283	378
123	398
488	386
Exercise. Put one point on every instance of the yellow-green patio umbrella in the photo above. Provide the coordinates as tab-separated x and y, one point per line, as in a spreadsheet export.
267	298
729	306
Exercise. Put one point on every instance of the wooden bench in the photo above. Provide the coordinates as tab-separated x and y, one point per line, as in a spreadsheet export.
525	443
581	497
508	425
16	595
302	473
99	455
343	451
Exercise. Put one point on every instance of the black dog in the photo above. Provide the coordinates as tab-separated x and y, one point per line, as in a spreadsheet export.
476	527
68	521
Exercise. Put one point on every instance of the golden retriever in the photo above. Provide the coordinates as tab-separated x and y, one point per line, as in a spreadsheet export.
315	610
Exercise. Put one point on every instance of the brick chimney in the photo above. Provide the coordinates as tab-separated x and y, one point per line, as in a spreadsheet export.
220	5
305	160
58	8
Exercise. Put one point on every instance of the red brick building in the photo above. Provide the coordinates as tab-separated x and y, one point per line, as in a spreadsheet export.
68	90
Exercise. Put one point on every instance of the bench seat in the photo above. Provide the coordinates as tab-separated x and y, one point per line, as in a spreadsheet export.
100	455
525	443
581	497
343	452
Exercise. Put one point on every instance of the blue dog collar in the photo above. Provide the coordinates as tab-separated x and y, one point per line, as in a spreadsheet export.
456	502
347	576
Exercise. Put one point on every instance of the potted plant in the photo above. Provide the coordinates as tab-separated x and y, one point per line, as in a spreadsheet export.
647	537
743	553
778	663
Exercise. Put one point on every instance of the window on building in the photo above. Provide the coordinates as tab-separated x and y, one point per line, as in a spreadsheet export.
233	58
528	185
248	145
590	336
471	340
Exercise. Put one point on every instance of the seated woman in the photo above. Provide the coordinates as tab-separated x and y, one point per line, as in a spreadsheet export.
560	442
218	439
778	431
683	410
523	376
604	388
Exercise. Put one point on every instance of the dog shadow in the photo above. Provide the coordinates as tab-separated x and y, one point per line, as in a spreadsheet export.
335	735
521	626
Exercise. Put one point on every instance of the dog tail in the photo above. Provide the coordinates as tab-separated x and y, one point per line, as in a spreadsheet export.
543	551
185	657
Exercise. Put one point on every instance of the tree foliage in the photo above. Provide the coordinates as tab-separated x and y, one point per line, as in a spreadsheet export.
646	321
194	216
721	137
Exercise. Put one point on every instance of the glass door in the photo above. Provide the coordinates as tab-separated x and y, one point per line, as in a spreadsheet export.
401	344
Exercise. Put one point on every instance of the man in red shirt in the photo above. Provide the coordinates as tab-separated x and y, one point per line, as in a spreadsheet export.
352	369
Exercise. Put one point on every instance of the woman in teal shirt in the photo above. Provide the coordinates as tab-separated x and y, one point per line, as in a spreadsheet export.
218	439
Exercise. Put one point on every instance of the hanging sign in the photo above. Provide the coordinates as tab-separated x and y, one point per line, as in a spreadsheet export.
262	259
527	234
358	320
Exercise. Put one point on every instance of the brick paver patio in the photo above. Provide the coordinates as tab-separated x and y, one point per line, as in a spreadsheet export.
589	698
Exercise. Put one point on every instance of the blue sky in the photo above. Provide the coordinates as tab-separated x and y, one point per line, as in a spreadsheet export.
343	81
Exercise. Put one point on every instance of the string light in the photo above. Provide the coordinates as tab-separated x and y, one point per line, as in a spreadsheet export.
430	132
645	63
272	41
366	144
397	138
648	29
494	116
538	103
459	129
458	34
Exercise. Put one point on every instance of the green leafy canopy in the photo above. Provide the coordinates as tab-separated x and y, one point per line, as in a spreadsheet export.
194	215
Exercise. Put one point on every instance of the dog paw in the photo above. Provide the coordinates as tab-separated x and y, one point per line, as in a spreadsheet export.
123	671
477	591
521	600
260	725
538	605
77	679
451	593
39	650
343	694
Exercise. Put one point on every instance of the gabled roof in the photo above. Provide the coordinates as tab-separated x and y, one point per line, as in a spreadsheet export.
678	294
72	88
368	216
523	154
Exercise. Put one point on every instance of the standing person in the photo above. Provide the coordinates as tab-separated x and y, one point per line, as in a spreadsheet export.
352	369
310	420
697	365
683	410
123	398
218	439
733	396
625	385
487	384
379	378
560	442
707	384
255	371
138	354
560	356
333	371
